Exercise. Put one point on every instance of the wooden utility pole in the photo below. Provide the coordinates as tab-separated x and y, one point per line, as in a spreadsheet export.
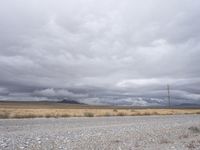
169	98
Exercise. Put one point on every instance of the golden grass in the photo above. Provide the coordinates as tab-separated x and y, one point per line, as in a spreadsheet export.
32	110
32	113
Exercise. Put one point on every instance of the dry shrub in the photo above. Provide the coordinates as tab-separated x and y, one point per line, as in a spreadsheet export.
65	115
56	115
88	114
168	114
155	113
187	113
121	114
4	115
136	114
115	110
48	115
21	116
146	113
194	129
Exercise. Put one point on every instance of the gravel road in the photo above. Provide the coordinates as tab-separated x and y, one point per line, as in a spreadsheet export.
110	133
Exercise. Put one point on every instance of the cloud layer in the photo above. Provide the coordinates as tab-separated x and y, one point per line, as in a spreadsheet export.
107	51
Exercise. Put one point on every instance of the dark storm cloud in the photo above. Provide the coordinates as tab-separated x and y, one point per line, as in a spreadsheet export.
100	51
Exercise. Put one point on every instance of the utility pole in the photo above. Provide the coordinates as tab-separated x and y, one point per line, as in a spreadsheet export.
168	92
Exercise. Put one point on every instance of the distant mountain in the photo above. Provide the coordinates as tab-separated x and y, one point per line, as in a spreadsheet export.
188	105
67	101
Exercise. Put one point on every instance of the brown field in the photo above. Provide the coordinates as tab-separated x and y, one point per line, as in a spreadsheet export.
51	109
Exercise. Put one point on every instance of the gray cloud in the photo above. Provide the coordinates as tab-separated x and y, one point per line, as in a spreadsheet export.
100	50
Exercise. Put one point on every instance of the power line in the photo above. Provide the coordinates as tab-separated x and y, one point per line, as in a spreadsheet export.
169	98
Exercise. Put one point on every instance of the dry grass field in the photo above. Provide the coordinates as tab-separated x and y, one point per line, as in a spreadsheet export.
46	109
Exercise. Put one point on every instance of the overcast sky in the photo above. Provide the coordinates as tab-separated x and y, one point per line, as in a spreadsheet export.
100	51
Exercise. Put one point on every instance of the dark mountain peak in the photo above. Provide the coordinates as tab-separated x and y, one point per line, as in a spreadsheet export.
69	101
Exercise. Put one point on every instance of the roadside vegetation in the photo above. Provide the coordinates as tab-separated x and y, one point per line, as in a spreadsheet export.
49	111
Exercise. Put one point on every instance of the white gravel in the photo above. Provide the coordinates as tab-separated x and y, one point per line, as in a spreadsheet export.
110	133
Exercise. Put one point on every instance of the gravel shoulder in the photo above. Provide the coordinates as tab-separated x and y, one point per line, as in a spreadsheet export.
136	132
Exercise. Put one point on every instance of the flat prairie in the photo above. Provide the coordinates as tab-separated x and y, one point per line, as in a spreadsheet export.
53	109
